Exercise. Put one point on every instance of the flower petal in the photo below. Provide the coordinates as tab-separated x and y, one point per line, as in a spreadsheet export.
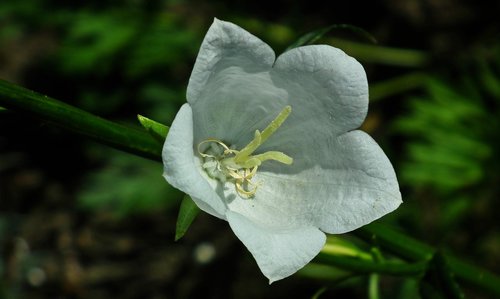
326	86
351	184
182	168
226	45
234	104
279	252
373	191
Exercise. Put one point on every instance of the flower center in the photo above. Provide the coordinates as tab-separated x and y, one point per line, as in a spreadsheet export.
225	163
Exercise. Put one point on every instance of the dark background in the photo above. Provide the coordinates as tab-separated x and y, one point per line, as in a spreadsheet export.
80	220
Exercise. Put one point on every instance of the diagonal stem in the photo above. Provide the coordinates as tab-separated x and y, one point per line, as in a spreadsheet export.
30	103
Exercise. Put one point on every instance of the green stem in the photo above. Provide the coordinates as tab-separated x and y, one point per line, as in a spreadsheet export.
373	282
413	250
369	266
119	136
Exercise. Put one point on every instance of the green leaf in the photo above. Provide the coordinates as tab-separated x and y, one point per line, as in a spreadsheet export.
314	36
187	212
157	130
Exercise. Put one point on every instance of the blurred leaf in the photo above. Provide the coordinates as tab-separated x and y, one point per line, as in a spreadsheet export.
489	80
161	45
158	94
19	14
276	34
396	85
381	55
409	289
101	102
187	213
319	293
157	130
455	210
314	36
94	40
447	145
127	185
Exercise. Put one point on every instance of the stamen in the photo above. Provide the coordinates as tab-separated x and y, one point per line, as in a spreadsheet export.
222	163
242	191
226	148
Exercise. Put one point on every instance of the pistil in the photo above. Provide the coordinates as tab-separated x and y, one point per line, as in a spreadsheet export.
224	163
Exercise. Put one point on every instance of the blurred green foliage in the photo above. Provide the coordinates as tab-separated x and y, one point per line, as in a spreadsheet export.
450	168
450	147
127	185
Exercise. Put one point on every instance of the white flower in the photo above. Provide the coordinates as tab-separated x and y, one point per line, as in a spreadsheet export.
309	172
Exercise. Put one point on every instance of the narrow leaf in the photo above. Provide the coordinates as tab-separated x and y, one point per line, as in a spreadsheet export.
319	293
187	212
157	130
396	85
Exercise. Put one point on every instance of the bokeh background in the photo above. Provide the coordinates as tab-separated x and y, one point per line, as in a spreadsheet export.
81	220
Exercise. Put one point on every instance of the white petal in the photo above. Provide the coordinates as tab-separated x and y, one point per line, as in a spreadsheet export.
352	183
371	189
226	45
182	168
234	104
279	252
325	85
